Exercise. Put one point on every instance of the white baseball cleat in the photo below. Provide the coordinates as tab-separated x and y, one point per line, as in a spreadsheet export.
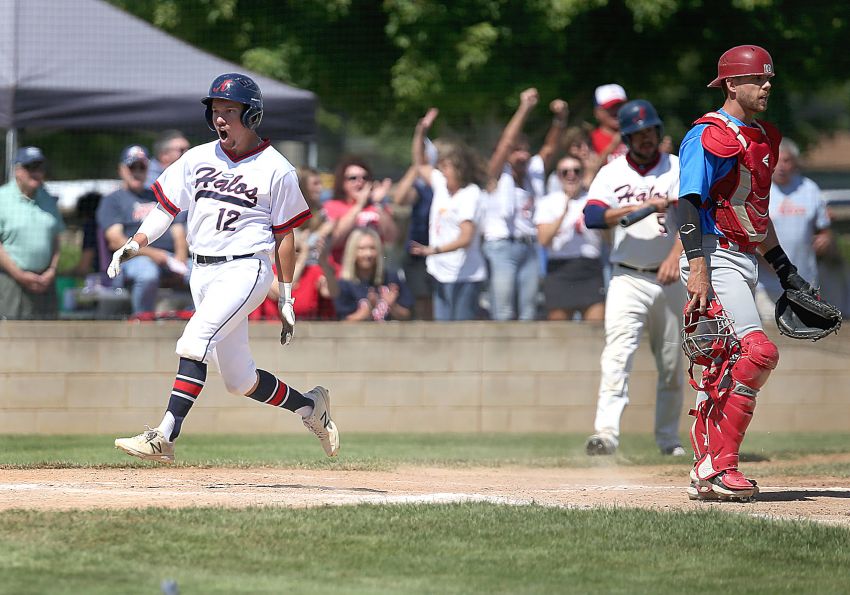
150	445
320	422
601	444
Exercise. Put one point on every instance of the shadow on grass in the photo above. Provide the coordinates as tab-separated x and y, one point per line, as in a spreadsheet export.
801	495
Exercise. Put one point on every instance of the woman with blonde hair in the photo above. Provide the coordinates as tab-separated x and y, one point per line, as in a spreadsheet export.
367	289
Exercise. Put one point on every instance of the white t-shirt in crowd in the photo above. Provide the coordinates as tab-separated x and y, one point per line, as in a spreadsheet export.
573	239
447	213
648	242
234	204
510	209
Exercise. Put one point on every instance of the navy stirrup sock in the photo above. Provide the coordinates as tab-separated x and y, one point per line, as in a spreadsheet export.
272	391
190	379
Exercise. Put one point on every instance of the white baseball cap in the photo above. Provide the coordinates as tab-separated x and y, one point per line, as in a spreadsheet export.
609	95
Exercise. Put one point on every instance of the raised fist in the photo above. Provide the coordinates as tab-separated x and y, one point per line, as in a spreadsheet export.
559	107
529	98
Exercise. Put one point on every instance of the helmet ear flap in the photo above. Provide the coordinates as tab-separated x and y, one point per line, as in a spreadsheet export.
251	117
208	115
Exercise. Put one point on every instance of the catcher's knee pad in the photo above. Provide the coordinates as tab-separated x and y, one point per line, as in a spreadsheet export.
759	356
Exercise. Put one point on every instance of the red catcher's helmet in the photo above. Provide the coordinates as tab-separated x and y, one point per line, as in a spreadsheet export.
743	60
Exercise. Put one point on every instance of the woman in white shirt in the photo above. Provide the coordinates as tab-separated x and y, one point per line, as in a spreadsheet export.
574	281
454	257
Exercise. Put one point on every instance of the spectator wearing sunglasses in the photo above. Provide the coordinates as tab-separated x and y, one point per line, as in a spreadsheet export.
168	148
29	241
358	201
119	216
574	280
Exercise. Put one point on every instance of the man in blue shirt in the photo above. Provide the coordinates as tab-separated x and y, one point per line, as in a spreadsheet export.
727	160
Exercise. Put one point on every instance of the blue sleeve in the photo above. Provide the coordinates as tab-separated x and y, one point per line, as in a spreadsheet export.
346	302
594	216
699	169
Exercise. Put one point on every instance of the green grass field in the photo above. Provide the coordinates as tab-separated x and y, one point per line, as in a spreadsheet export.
440	548
387	451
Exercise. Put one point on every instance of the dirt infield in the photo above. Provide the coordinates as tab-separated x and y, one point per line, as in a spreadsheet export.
661	487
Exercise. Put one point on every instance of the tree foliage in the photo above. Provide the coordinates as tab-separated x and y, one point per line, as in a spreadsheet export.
386	62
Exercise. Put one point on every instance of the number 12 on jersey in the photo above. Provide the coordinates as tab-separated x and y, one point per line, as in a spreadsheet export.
225	224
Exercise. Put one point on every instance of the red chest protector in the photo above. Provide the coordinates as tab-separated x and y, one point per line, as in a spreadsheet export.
741	197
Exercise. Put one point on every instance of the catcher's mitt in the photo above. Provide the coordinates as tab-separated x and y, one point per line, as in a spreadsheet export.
802	314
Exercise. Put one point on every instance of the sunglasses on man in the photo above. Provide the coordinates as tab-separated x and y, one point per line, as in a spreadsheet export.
563	172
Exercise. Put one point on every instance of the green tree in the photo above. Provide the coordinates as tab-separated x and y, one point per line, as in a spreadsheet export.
384	63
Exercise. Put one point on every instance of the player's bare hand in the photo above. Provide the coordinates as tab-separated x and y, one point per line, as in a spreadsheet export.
125	252
699	287
428	119
559	108
668	271
286	307
529	98
659	202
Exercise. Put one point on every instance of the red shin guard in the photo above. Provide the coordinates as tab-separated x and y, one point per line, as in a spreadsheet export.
723	424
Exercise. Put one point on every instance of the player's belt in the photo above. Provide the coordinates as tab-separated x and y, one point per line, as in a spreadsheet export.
638	269
201	259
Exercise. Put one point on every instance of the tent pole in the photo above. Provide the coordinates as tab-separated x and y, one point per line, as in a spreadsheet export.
11	149
313	154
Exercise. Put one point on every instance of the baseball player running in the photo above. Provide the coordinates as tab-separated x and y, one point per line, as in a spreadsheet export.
727	161
243	200
644	291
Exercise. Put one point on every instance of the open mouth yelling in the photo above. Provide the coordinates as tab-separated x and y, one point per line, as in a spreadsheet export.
222	134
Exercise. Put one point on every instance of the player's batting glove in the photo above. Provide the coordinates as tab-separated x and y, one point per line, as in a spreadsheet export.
286	307
128	250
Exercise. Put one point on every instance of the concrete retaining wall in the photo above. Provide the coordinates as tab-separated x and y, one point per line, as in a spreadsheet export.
113	377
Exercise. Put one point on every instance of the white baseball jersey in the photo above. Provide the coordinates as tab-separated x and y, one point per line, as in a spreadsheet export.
619	183
447	213
573	239
256	194
510	209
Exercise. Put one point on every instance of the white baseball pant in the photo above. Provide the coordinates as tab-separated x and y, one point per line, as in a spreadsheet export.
636	301
224	294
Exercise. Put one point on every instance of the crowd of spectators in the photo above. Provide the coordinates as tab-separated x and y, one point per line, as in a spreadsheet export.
498	236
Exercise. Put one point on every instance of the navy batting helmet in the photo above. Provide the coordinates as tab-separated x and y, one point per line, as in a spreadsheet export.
637	115
240	88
